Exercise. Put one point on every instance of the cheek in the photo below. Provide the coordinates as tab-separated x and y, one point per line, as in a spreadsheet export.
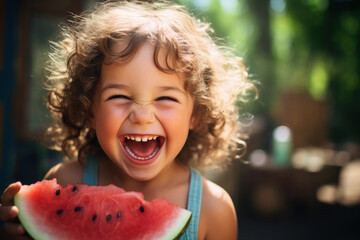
108	120
176	123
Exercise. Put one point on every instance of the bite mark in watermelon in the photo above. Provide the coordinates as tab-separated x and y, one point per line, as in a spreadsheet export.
50	211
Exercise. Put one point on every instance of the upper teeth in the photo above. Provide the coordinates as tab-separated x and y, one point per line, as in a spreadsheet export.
141	139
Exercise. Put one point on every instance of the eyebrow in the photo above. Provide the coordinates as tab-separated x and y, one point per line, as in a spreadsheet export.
170	88
125	87
113	85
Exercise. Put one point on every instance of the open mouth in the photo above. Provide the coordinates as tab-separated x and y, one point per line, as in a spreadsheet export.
142	148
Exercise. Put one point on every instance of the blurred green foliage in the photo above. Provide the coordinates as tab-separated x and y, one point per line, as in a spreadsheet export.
306	45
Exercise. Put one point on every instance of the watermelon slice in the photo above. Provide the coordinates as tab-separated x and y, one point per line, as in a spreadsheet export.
50	211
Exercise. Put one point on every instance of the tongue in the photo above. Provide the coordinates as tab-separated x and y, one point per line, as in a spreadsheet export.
142	149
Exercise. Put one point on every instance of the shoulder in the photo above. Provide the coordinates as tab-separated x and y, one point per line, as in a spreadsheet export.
66	172
217	212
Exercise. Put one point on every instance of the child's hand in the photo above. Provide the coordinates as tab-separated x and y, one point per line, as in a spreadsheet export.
8	213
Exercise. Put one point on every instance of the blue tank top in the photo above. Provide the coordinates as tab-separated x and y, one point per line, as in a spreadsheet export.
90	177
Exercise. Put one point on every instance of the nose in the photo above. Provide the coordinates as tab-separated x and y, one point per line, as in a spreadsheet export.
142	114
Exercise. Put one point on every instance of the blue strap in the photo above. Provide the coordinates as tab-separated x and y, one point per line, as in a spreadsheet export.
90	173
194	205
90	177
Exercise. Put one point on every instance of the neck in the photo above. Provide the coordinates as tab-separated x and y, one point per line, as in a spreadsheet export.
173	175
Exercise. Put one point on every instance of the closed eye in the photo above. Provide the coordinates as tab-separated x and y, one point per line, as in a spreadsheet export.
166	98
118	97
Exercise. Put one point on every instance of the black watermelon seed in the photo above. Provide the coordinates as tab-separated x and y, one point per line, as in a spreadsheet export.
108	217
94	218
142	209
119	215
75	188
57	192
60	211
78	209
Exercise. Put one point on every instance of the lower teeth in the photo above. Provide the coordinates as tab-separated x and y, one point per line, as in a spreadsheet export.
141	158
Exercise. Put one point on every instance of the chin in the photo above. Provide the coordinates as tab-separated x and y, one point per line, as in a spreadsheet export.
142	177
142	173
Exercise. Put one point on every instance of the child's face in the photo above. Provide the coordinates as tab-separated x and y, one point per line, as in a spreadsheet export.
138	101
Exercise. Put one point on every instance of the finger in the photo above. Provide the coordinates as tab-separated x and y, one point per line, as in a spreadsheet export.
7	197
15	234
13	228
8	212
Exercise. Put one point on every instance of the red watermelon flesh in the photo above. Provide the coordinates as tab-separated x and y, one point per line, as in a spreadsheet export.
50	211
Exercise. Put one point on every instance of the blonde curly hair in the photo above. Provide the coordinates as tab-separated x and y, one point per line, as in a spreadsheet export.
214	77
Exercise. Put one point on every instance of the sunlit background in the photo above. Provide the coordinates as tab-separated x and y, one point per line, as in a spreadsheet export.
300	176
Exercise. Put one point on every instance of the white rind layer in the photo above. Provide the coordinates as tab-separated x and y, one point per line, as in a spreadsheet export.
183	219
27	218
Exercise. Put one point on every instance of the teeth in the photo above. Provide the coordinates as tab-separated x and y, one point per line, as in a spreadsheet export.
141	158
141	139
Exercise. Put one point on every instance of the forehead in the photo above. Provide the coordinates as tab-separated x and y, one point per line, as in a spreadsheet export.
163	54
164	58
141	66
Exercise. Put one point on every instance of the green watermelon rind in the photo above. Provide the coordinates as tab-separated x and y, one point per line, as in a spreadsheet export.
37	232
25	219
183	230
183	220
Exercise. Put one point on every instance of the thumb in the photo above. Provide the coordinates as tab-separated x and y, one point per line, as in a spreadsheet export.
7	198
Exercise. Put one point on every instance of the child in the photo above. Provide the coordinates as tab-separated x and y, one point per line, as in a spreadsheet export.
141	96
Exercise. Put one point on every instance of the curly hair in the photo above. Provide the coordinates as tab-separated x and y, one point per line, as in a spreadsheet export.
214	77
